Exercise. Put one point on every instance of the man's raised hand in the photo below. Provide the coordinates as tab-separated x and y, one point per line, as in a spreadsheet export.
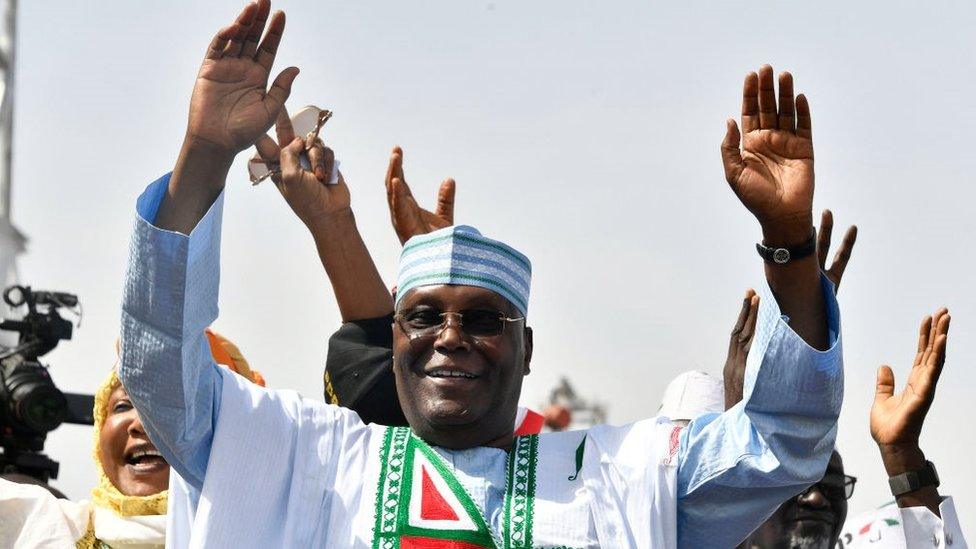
837	266
773	172
896	419
740	341
408	218
231	106
229	110
307	192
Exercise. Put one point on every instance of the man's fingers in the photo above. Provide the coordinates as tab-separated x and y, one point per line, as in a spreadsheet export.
242	25
787	114
257	27
219	42
934	326
803	127
885	385
767	99
392	169
317	159
823	237
750	326
283	127
278	94
290	165
406	218
731	155
839	264
941	338
740	322
750	103
268	48
445	201
267	148
923	338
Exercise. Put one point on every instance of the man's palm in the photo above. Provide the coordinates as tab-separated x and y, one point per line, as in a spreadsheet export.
230	108
408	218
773	173
896	419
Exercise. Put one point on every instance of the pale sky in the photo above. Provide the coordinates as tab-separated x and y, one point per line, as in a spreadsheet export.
586	134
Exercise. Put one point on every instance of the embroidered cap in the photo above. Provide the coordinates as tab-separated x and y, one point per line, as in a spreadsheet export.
461	255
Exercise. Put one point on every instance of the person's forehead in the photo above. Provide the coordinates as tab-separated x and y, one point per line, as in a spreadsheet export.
117	393
454	296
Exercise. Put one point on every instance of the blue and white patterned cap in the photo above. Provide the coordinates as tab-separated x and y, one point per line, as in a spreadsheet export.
461	255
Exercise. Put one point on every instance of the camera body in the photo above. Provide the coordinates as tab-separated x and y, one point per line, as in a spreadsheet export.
31	405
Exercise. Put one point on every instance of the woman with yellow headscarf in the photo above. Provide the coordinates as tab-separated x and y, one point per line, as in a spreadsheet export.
129	503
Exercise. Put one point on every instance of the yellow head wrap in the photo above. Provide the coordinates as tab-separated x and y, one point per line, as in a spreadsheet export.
105	494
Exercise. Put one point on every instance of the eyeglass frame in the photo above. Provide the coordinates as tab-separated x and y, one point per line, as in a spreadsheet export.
436	330
849	480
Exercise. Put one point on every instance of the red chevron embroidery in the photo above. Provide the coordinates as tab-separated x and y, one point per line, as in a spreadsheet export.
433	506
414	542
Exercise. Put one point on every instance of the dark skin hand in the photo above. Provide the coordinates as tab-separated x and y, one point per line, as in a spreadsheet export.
461	412
326	210
843	255
740	342
129	458
231	107
408	218
897	418
745	326
772	175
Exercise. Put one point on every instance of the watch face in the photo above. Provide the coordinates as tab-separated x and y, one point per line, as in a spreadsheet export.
781	255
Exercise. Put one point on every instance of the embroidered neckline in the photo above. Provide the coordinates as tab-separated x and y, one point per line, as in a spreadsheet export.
401	507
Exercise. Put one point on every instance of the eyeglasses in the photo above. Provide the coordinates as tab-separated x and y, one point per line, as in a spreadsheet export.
834	487
477	323
307	123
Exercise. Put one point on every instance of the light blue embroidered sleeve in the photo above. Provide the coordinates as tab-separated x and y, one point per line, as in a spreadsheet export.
736	468
169	298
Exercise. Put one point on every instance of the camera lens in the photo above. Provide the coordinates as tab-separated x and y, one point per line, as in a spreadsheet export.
34	400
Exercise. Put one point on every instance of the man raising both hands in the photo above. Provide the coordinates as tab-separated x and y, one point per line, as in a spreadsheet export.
458	476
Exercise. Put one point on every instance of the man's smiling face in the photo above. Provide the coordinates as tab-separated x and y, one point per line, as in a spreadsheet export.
459	388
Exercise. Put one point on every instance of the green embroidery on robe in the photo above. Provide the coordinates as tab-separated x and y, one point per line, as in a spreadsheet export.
451	514
579	458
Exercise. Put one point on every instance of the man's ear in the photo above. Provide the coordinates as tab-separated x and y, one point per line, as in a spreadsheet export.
527	337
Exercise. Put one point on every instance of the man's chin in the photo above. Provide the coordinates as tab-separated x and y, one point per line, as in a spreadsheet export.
811	534
449	415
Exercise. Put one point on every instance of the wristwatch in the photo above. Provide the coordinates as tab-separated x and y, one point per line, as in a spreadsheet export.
910	481
781	256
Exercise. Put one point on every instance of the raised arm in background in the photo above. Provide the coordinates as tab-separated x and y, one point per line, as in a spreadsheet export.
773	177
326	211
745	325
408	218
839	264
896	419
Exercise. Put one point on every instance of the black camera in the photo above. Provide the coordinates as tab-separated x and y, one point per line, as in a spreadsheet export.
30	404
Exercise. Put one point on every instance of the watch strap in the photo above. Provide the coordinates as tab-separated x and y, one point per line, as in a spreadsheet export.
910	481
779	255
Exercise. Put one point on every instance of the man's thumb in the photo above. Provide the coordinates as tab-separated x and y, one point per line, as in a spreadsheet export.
885	387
